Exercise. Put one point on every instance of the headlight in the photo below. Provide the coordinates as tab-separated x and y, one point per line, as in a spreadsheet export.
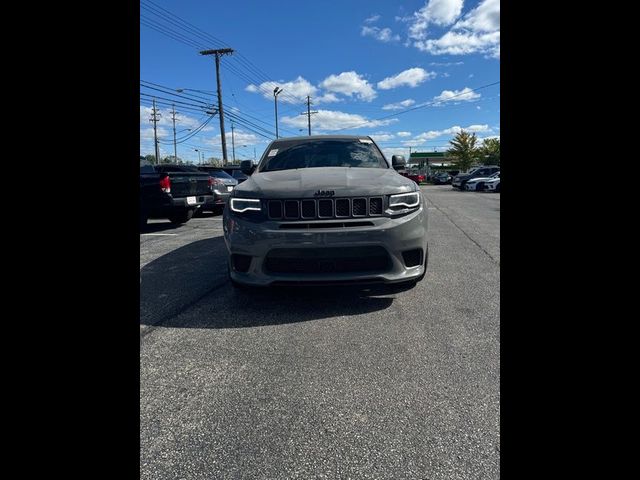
241	205
409	200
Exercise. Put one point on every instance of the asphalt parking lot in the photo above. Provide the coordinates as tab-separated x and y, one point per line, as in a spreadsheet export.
323	383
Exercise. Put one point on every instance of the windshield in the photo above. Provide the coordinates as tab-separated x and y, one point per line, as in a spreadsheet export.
288	155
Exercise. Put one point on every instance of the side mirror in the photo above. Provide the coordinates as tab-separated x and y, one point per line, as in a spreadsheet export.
247	167
397	162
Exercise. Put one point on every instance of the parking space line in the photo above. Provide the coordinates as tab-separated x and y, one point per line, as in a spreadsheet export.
159	234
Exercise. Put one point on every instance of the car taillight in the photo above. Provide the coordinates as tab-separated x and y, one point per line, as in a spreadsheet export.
165	184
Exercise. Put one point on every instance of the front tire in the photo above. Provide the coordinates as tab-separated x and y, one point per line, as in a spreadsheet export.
182	217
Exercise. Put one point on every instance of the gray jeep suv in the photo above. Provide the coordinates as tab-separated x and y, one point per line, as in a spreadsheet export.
325	210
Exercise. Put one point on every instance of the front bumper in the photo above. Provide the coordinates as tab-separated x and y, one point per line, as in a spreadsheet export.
394	235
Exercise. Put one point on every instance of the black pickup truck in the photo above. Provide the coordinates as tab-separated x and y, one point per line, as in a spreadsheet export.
172	191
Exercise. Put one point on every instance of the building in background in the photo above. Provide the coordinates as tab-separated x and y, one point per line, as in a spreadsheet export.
429	163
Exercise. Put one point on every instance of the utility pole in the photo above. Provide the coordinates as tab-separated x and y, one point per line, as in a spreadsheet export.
175	145
217	53
254	154
154	119
276	91
233	144
308	113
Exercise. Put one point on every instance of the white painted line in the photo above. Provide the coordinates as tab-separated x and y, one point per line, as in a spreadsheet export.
159	234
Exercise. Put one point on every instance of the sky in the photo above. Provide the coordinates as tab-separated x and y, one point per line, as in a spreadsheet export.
411	74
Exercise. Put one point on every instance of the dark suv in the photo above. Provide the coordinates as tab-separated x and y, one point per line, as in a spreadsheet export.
460	180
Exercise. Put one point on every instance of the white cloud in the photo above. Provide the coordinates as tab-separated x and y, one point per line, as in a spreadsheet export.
383	34
372	19
399	105
382	136
484	18
411	77
327	98
295	91
477	32
404	134
478	128
334	120
240	138
431	134
462	43
438	12
349	83
482	139
464	95
147	134
390	152
447	64
164	119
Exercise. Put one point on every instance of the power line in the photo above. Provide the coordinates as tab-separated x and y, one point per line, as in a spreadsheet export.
169	103
178	101
189	25
169	32
424	105
167	89
200	36
177	93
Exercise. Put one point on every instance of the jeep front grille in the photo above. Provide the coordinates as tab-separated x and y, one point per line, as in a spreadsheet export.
322	208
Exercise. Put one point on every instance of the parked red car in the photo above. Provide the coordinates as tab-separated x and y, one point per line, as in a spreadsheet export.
416	177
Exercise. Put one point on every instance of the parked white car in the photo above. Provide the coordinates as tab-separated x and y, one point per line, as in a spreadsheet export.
492	185
478	184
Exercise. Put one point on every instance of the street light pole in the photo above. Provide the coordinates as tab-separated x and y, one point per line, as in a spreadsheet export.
276	91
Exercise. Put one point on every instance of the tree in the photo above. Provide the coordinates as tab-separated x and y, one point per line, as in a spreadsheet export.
150	158
490	151
463	150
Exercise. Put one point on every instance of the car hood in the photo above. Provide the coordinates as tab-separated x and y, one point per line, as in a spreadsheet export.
343	181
